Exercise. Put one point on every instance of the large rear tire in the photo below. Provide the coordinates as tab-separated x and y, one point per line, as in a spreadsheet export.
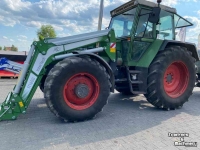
76	89
171	78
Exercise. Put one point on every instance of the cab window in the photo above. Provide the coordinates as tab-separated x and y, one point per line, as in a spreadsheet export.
165	26
144	28
122	24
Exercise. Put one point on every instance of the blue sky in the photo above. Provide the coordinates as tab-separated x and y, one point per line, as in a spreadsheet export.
20	19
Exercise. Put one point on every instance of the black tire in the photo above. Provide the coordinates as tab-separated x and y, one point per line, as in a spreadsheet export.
48	68
61	74
161	94
42	83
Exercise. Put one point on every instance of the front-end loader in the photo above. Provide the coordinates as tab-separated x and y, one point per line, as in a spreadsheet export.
137	54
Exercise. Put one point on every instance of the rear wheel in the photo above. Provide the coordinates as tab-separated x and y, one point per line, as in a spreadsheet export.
171	78
76	89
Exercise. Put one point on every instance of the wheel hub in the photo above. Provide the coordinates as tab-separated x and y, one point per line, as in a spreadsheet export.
82	91
169	78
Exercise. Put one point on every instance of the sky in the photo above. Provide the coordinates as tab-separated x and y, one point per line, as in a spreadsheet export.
20	19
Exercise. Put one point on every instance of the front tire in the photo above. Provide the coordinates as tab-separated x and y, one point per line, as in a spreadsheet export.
171	78
42	83
76	89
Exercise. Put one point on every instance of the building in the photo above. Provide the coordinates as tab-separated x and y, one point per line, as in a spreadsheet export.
8	48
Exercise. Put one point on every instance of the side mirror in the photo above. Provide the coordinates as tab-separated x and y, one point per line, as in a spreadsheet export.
155	15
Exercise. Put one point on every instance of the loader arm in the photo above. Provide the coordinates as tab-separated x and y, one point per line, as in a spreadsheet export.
42	54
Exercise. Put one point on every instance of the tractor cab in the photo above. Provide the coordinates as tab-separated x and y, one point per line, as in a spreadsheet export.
138	24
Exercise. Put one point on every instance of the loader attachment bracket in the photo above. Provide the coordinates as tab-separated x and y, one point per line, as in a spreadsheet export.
12	107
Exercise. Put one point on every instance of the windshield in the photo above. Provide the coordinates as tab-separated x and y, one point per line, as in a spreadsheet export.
122	24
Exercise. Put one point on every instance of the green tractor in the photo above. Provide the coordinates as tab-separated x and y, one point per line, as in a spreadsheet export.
137	54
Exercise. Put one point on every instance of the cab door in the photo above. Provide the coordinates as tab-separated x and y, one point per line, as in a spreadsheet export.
148	37
144	36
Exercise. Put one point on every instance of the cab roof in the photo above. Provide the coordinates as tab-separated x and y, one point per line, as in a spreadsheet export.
132	3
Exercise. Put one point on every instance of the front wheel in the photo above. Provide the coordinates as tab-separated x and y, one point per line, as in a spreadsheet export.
171	78
76	89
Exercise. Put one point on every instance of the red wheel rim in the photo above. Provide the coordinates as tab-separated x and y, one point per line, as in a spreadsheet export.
81	91
176	79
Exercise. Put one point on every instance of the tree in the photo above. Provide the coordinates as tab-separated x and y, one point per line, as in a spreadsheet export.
13	48
4	48
46	31
0	48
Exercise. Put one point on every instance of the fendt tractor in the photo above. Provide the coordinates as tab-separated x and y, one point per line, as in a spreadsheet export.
137	54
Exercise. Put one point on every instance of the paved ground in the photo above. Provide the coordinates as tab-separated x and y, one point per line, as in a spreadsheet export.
126	123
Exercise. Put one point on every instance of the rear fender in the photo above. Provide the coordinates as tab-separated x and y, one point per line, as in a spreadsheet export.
190	47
